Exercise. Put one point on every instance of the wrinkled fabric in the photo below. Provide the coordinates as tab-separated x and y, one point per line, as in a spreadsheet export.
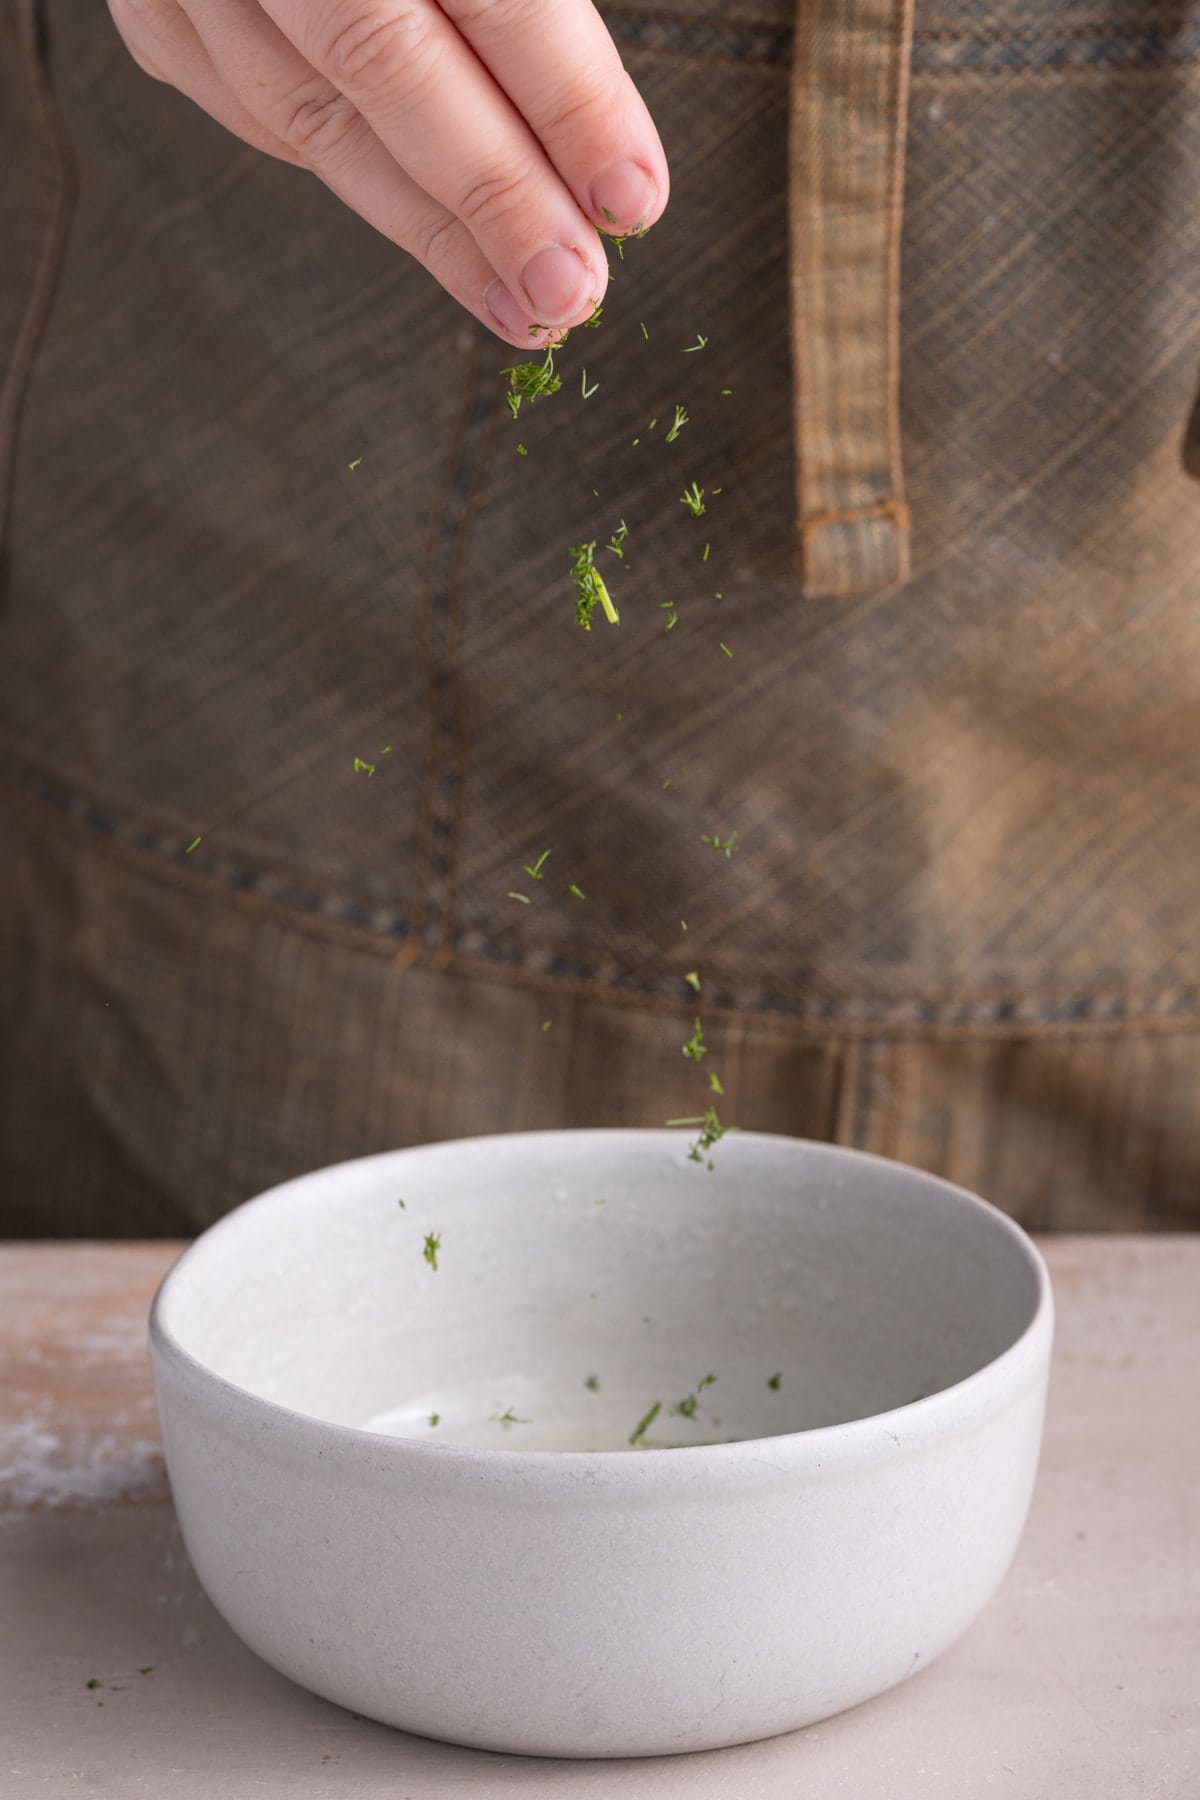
957	737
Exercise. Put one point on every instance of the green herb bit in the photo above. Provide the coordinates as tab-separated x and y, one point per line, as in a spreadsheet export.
726	848
597	314
698	345
531	380
386	751
673	618
506	1418
360	766
148	1670
521	450
535	869
667	783
693	499
611	217
195	841
578	892
615	543
545	1024
652	424
592	1384
696	1049
93	1683
435	1418
636	442
683	924
644	1423
707	548
686	1408
693	980
355	464
433	1243
584	388
590	587
714	1082
618	718
645	333
681	420
513	895
774	1380
401	1205
725	647
727	390
712	1131
706	1381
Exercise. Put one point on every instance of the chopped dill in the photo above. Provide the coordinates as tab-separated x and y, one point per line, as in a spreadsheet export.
644	1423
681	420
667	783
578	892
360	766
597	314
615	543
706	1381
611	217
687	1408
693	980
618	720
699	344
725	848
433	1243
726	651
592	1384
711	1132
683	924
400	1203
714	1082
355	463
93	1683
531	380
513	895
587	391
672	614
696	1049
506	1418
521	450
590	587
707	548
645	333
652	424
535	869
148	1670
727	390
774	1380
693	499
435	1418
192	846
545	1024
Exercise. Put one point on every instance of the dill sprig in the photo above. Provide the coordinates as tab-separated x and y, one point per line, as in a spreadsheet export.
361	767
590	588
693	499
617	540
597	314
774	1380
433	1243
711	1132
531	380
587	391
512	894
696	1049
195	841
681	420
698	345
535	869
725	847
672	613
506	1418
644	1423
686	1408
693	980
714	1082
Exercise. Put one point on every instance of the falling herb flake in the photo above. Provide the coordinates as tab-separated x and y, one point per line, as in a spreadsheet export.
707	548
726	848
355	464
652	424
596	315
696	1049
590	587
545	1024
672	614
615	544
698	345
705	1381
712	1131
585	389
693	499
435	1418
667	782
714	1082
192	846
645	333
93	1683
521	450
401	1205
644	1423
681	420
593	1384
433	1243
578	892
506	1418
531	380
727	390
618	718
611	217
774	1380
725	647
693	980
148	1670
513	895
686	1408
535	869
360	766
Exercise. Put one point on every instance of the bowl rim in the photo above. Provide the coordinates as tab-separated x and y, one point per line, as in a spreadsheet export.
816	1448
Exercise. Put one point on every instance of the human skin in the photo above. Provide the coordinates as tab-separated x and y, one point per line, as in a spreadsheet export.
488	138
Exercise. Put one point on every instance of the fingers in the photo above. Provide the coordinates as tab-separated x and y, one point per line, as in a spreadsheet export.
407	70
270	80
558	65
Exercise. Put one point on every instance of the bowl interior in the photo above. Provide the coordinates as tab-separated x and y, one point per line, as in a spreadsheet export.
584	1277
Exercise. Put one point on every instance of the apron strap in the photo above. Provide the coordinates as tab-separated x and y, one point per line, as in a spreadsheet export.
849	104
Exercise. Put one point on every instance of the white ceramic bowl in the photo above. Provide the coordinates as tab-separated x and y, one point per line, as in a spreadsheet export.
542	1586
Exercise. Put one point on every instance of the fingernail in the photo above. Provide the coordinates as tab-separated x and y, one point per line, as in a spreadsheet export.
557	283
511	314
623	196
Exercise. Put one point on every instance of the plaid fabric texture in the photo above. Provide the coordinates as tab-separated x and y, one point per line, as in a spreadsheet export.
960	924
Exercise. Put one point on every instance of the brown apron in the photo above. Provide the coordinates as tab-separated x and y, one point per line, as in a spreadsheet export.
949	266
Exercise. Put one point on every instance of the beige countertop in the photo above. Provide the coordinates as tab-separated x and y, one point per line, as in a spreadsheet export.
1081	1681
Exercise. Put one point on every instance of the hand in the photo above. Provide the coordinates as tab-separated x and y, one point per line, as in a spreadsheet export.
487	137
